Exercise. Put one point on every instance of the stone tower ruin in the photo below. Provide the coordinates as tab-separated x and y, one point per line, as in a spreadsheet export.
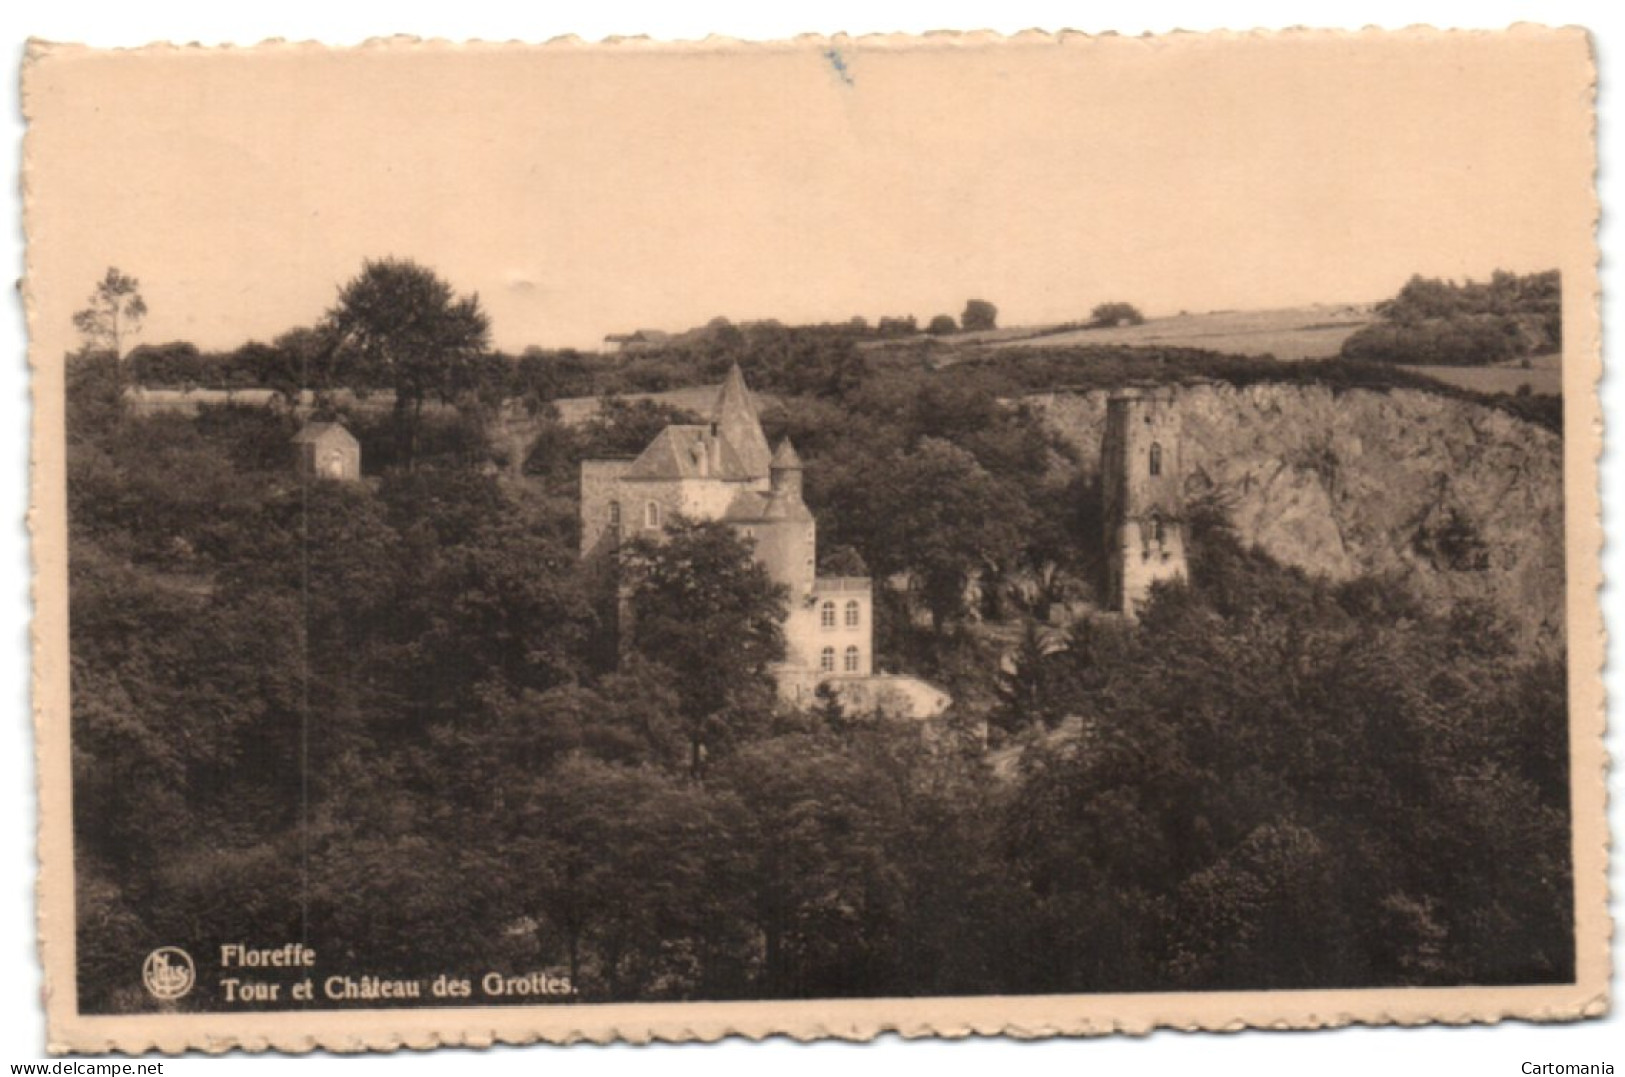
1142	490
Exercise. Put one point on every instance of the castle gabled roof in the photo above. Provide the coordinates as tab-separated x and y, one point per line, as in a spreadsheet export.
681	451
731	448
322	431
746	507
756	506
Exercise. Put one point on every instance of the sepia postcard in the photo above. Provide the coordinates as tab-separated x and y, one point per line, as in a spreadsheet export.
1031	536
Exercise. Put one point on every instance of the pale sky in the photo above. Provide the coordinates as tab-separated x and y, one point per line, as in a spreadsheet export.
585	191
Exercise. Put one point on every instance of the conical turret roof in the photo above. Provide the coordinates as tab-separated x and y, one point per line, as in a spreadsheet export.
785	457
739	426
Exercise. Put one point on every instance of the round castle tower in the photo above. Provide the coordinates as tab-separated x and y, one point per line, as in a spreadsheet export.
786	534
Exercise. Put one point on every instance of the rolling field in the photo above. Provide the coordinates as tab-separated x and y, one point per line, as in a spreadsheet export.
700	400
575	410
1544	376
1290	334
1313	332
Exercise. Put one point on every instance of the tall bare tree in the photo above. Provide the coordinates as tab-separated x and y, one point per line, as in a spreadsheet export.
115	313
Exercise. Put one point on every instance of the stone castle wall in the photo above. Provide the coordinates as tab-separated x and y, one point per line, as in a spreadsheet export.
600	485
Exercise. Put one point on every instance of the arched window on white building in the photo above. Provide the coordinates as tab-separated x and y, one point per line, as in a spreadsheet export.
826	615
826	660
651	515
854	613
1156	458
851	665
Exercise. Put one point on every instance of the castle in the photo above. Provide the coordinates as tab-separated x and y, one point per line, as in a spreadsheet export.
1142	490
724	470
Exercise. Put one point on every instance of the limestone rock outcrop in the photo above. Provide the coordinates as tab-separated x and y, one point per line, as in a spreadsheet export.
1459	501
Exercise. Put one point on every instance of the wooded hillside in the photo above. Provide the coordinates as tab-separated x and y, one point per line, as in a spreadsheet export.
383	718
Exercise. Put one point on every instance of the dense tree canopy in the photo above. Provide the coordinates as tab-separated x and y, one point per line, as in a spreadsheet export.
399	323
1468	324
979	314
1271	782
701	606
1107	315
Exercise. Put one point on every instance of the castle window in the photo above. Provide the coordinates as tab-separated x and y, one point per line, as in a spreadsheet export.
1156	530
854	613
826	619
851	661
615	514
1156	458
651	514
826	660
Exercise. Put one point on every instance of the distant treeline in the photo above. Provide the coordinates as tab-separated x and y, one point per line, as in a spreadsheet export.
821	361
1437	322
308	358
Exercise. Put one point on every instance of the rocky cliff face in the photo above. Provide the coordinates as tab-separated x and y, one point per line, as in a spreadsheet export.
1457	500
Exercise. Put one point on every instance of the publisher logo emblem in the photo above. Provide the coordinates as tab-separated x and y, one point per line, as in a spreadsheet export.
168	973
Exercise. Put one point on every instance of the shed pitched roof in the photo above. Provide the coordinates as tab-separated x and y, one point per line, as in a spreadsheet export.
322	431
